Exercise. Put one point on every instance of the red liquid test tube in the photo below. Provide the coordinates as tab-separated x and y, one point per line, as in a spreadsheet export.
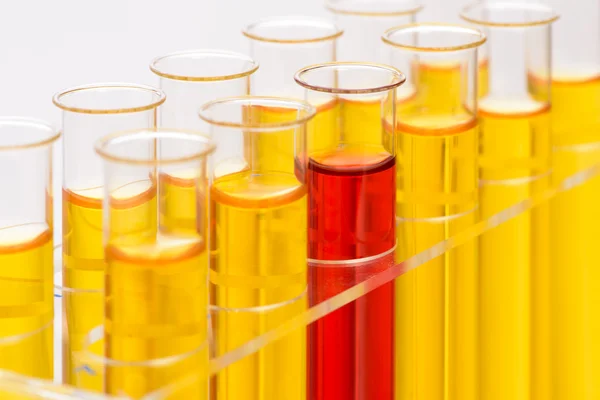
351	229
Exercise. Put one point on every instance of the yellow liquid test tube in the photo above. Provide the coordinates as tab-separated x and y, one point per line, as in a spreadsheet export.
156	300
515	164
89	112
575	279
436	198
258	245
190	79
26	251
274	206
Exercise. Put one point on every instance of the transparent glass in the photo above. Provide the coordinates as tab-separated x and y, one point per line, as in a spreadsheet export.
283	45
26	225
436	198
156	296
364	21
515	164
576	137
90	112
351	227
192	78
258	241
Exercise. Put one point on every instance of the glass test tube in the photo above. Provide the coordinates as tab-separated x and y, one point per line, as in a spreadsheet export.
437	197
258	243
283	45
575	291
26	257
515	163
351	228
363	22
156	300
90	112
190	79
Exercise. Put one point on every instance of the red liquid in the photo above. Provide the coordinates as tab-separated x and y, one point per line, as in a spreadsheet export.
351	215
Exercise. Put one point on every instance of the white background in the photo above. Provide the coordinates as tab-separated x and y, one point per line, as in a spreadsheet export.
49	45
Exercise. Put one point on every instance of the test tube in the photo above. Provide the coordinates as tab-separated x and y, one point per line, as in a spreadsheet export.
515	163
90	112
156	300
258	243
363	23
437	197
575	89
351	229
283	45
190	79
26	272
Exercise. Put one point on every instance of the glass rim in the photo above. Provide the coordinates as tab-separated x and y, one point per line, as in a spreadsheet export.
161	97
550	15
415	7
399	77
154	65
336	32
101	145
425	26
281	102
53	134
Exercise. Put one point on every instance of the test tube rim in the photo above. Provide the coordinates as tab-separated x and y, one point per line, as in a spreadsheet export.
161	97
417	7
210	52
337	32
553	15
156	133
335	64
420	25
254	100
53	133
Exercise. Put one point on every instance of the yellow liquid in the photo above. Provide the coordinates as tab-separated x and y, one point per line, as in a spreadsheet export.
182	203
84	267
83	271
259	260
27	300
276	151
436	304
575	254
514	257
156	307
441	86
